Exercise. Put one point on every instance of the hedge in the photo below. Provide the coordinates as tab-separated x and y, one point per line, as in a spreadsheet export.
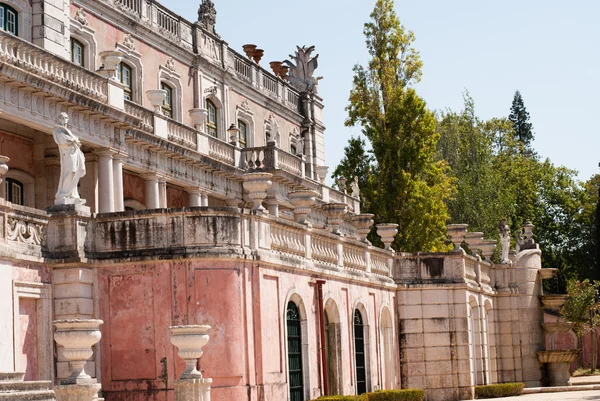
380	395
499	390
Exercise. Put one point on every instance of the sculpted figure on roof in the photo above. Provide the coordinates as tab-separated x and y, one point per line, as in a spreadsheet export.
207	15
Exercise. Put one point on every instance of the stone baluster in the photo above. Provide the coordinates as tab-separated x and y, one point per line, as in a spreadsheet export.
189	341
387	232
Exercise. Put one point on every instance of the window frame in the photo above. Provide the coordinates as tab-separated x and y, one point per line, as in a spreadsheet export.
75	42
167	106
5	9
212	127
10	185
128	92
243	135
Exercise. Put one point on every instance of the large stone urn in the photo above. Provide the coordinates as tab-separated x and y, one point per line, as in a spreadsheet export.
474	240
457	233
189	341
303	202
157	97
257	185
3	167
198	117
322	173
387	232
487	248
77	336
335	213
363	224
558	361
110	60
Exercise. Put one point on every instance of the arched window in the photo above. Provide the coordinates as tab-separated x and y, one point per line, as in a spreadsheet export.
212	123
243	139
167	107
294	341
14	191
77	50
359	353
9	19
125	76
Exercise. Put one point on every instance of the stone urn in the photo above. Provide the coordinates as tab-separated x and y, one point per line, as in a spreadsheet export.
249	50
487	248
474	241
257	185
198	116
157	97
558	365
276	67
283	72
303	201
457	233
363	224
189	341
3	166
257	55
322	172
387	232
335	213
554	302
547	273
77	336
110	60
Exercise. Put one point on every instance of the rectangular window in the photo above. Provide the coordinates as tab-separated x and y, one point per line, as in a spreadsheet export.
124	76
2	12
243	133
14	191
11	22
167	107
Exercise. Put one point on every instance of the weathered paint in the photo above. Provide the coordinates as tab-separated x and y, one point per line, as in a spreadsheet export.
27	349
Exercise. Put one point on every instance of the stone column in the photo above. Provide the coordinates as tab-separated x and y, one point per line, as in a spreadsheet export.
106	194
194	197
118	182
162	193
152	192
204	199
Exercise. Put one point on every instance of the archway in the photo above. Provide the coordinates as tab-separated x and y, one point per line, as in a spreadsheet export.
387	349
360	353
333	346
294	350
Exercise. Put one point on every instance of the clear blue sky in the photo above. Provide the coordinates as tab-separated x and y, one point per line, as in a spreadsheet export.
547	49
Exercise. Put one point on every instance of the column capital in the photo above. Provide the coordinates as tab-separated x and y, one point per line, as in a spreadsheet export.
120	156
105	151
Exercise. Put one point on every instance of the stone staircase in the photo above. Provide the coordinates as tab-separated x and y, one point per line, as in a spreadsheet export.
13	388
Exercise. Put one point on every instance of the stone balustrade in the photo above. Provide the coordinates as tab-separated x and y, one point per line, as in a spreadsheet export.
39	62
146	116
270	157
182	134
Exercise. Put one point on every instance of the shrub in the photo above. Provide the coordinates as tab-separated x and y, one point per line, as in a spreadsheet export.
338	398
499	390
396	395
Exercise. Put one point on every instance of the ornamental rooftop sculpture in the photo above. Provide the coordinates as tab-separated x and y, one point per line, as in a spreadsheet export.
301	73
207	16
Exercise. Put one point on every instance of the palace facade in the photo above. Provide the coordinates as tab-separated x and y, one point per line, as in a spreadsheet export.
206	203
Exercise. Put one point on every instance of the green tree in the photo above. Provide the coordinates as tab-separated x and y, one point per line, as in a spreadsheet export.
357	162
520	119
410	186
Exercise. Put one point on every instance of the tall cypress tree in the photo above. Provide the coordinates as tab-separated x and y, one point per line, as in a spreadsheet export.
520	119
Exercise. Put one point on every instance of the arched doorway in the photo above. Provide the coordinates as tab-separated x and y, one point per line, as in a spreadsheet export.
294	347
387	352
333	347
359	353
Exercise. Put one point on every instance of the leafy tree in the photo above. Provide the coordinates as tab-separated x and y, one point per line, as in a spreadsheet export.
520	119
581	309
410	186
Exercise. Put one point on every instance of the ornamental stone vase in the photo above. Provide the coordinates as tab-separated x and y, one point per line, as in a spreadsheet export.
198	116
157	97
257	55
457	233
303	201
249	50
110	60
558	363
487	248
387	232
335	213
77	336
283	71
553	302
276	67
363	224
3	167
257	185
322	172
474	241
189	341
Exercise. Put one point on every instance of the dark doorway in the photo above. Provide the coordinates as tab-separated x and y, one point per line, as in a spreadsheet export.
359	350
294	340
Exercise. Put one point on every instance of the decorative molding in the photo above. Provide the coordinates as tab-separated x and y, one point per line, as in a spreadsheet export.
129	42
245	106
212	90
81	17
170	64
25	232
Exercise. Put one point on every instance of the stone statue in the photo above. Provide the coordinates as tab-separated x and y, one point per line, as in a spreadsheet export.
300	146
355	188
72	163
207	15
301	73
504	242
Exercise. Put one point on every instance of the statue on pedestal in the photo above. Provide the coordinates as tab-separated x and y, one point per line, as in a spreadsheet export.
72	163
504	242
355	188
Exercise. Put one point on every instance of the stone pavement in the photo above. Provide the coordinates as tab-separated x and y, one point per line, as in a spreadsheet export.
592	395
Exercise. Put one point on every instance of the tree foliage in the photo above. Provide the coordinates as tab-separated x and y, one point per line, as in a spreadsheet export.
410	186
523	129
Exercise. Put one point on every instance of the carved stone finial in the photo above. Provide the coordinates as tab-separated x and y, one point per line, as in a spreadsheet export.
128	42
207	16
301	73
81	17
170	65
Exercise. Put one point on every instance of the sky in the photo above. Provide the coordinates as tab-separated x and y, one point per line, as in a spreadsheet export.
546	49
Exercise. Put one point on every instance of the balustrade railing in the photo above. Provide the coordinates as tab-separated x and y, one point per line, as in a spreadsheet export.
141	113
167	22
220	150
288	240
324	250
354	258
270	84
182	134
134	6
272	158
22	54
243	67
379	264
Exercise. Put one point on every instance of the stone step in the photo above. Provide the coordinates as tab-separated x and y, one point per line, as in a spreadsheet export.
25	386
45	395
11	376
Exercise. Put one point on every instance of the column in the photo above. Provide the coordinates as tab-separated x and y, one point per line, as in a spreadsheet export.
106	194
204	199
118	182
162	193
194	197
152	192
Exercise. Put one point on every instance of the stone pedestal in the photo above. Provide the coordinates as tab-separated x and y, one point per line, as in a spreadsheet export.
77	392
192	390
558	363
67	232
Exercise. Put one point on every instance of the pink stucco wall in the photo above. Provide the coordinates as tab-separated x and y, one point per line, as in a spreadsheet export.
245	306
19	150
27	349
133	188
